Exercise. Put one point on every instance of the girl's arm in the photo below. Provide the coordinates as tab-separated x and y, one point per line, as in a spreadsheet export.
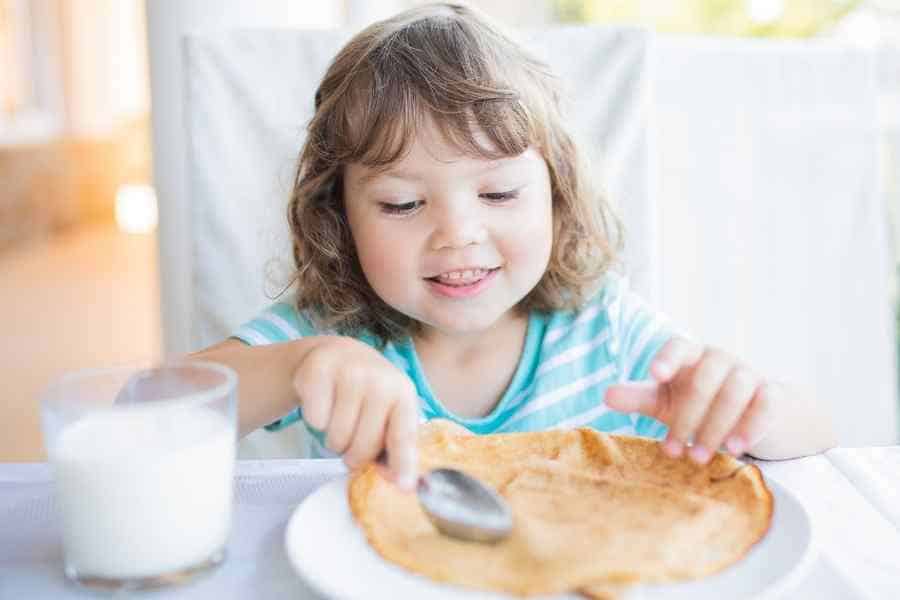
798	426
265	377
347	389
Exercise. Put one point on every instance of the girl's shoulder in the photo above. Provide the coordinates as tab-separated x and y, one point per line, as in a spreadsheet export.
614	314
280	321
283	321
608	296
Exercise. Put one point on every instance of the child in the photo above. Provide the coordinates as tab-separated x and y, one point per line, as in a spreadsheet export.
453	261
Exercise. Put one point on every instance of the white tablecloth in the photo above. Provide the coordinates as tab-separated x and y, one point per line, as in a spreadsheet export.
851	495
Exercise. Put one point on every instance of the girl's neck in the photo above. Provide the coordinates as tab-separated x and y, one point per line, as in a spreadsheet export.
466	347
469	374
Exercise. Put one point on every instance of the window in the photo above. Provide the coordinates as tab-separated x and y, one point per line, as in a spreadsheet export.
30	86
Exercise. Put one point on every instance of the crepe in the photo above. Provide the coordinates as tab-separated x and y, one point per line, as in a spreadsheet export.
593	513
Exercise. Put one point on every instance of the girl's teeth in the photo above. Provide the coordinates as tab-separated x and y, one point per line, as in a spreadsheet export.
467	275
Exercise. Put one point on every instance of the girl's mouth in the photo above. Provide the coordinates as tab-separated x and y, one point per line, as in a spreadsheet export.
462	284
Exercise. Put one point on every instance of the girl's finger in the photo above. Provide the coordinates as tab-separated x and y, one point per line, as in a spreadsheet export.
729	405
400	439
344	413
692	393
316	397
673	356
755	421
368	438
637	396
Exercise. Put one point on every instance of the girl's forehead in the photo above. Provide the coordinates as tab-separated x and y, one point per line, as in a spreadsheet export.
423	162
430	150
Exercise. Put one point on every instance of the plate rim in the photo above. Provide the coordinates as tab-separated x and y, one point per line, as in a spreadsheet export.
777	590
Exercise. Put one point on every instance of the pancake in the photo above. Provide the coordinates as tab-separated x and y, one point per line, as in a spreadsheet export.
593	513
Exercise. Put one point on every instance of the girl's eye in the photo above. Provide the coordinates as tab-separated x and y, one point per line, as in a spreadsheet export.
399	209
500	197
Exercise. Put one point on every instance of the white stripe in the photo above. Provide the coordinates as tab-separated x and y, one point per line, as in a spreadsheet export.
255	337
583	418
635	352
631	305
573	353
579	385
285	327
625	430
554	334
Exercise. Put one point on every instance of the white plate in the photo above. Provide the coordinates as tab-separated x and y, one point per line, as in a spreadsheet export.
330	552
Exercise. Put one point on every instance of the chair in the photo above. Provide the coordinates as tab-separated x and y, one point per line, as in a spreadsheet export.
248	96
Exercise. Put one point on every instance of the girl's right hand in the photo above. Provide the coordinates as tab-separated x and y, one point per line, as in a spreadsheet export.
362	402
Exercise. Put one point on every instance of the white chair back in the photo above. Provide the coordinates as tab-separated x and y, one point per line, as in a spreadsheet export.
746	173
773	218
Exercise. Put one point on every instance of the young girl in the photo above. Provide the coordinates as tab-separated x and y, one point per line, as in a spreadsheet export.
453	261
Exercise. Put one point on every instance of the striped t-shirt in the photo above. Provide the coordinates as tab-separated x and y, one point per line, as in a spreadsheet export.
568	361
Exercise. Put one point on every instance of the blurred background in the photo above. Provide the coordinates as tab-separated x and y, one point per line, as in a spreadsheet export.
79	274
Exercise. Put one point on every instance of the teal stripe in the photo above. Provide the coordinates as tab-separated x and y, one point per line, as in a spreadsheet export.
581	334
649	427
392	354
595	360
290	314
317	446
242	335
288	419
269	331
611	421
317	434
565	408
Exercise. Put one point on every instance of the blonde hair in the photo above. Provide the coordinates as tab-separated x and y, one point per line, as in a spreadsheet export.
446	62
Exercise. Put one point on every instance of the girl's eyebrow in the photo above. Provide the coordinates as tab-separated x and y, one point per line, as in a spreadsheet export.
388	173
374	174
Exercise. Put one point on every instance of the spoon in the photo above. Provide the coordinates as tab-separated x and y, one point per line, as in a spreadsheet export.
461	506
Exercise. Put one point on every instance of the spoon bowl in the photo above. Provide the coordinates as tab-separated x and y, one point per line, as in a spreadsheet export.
461	506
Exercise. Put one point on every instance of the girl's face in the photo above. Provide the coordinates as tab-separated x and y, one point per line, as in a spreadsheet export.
452	241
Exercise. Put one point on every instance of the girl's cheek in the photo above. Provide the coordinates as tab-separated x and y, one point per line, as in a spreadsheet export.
529	242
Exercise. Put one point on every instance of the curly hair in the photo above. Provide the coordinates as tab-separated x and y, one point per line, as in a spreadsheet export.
450	64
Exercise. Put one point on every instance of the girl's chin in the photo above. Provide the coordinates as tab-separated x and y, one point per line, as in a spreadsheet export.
460	331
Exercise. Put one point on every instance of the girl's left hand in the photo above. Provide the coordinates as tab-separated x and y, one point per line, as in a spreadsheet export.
704	396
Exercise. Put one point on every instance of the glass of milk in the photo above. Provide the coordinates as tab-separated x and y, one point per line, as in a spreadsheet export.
143	461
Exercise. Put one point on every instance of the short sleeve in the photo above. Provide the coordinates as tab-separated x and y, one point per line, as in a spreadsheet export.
281	322
639	331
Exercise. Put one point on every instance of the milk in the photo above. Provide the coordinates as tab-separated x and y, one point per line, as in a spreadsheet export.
144	490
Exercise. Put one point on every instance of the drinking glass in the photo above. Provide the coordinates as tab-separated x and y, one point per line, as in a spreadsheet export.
143	462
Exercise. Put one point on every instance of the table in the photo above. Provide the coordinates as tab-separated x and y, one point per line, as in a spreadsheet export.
851	494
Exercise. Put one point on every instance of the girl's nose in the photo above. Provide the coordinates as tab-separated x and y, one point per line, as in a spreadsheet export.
455	230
